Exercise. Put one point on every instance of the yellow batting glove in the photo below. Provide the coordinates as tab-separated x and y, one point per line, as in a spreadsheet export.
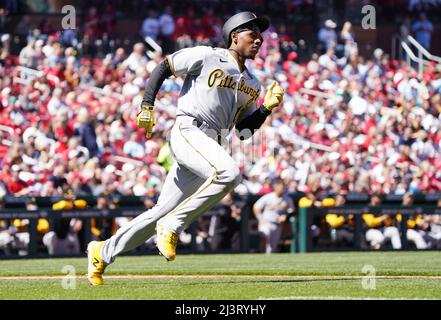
274	96
145	119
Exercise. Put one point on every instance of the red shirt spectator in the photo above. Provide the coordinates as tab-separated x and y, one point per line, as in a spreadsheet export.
14	184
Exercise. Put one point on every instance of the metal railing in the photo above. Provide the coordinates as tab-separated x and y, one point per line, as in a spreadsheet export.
101	92
10	131
26	74
423	51
419	57
304	142
410	56
319	94
136	163
156	47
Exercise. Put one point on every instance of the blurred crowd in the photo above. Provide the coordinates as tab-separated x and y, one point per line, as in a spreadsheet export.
348	123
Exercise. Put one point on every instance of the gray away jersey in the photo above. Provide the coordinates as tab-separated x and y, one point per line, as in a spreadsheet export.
214	90
272	206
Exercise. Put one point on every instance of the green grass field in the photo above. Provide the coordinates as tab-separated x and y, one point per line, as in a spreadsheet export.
399	275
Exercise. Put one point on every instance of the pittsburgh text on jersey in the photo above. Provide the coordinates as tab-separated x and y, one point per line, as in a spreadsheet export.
220	79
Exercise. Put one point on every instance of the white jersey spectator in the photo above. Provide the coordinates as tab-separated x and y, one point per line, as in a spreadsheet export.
327	60
27	55
137	60
55	103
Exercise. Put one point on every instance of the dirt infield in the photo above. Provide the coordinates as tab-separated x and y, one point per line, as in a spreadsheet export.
222	276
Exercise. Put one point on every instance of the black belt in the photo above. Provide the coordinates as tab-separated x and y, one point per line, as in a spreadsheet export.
199	124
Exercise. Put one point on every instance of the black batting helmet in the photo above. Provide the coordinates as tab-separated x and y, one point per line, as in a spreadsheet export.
240	19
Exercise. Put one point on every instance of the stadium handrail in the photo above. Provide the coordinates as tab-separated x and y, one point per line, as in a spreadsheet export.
318	93
7	129
129	160
423	50
100	91
122	159
411	56
310	144
7	142
36	73
21	81
156	47
10	131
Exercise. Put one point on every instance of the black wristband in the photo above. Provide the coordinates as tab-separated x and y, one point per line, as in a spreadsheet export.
254	121
265	110
154	83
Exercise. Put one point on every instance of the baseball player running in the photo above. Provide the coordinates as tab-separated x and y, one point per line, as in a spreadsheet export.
219	93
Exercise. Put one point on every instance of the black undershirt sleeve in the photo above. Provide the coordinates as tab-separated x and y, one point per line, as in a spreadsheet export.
253	122
157	77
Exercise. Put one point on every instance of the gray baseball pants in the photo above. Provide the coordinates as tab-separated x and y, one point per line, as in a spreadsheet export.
203	174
